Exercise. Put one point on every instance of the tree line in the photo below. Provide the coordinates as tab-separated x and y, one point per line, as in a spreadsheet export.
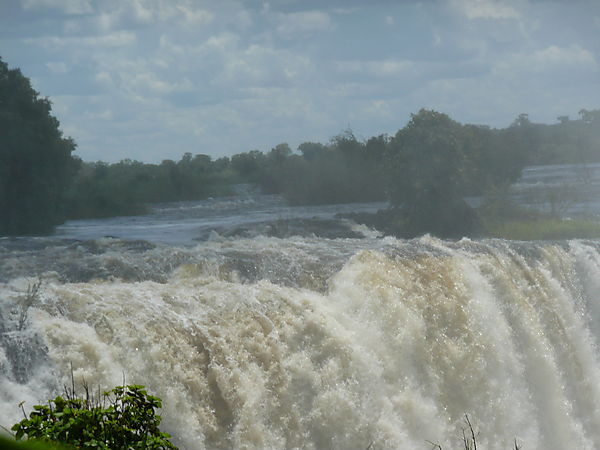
425	170
99	189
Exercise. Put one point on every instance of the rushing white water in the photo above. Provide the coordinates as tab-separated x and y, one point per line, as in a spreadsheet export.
306	342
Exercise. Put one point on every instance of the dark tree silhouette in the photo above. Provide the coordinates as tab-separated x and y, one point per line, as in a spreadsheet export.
36	165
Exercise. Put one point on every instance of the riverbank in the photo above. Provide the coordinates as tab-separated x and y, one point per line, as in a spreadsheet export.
514	224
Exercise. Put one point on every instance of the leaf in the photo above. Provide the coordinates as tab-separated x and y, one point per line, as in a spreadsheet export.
129	421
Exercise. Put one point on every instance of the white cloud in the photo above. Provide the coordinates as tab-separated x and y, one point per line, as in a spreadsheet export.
57	67
106	114
553	58
141	79
232	65
564	56
221	42
65	6
72	26
344	11
485	9
242	19
379	108
303	22
383	68
104	78
389	20
142	11
106	21
263	66
148	12
194	16
151	83
117	39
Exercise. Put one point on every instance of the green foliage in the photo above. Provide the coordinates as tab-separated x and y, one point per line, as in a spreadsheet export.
566	142
35	159
426	170
344	171
431	167
10	444
428	160
124	188
249	165
124	418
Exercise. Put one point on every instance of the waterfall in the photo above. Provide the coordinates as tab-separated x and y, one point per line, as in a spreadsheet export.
320	344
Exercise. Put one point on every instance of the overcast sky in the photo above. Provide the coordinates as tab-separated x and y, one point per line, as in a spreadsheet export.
152	79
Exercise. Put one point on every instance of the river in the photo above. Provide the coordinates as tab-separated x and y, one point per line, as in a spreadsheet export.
263	326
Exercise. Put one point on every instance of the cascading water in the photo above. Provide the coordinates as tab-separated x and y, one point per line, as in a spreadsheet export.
305	342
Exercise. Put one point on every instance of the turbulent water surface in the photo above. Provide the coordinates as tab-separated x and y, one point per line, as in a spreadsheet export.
262	326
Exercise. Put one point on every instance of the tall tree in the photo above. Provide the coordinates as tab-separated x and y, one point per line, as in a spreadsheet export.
430	169
35	159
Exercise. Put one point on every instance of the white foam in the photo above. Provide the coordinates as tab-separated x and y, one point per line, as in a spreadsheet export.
406	338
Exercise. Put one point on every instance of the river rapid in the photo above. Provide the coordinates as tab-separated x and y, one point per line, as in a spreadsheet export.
268	327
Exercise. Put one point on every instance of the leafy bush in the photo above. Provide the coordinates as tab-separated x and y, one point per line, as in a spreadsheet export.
7	443
121	418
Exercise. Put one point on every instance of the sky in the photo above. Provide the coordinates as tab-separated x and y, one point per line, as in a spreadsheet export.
153	79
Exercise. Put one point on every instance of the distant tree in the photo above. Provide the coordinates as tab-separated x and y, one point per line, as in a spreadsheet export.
521	121
495	157
589	117
344	171
36	165
430	171
249	165
376	147
279	153
346	144
311	150
222	164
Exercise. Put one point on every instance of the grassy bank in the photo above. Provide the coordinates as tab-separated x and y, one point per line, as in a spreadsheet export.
542	229
501	218
505	222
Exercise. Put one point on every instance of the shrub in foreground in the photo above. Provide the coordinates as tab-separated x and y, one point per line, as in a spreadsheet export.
7	443
124	417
